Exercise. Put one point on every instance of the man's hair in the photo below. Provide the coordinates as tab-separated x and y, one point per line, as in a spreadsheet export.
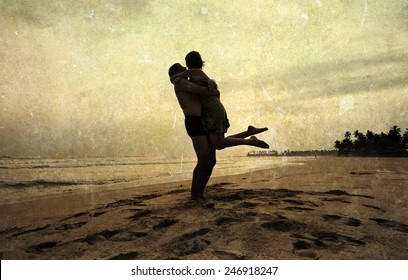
173	69
193	60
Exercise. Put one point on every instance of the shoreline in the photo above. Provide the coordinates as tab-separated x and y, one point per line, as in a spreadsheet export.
327	208
40	189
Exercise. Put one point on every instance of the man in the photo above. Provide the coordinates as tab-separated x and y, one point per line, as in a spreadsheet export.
187	96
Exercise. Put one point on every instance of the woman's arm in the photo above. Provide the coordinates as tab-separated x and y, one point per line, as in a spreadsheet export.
192	73
186	86
183	74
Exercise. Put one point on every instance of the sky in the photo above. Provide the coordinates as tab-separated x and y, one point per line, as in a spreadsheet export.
89	78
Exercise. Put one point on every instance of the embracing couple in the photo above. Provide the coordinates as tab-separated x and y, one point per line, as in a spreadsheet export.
206	120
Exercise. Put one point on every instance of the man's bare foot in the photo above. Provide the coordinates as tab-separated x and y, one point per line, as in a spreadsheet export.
259	143
254	130
200	202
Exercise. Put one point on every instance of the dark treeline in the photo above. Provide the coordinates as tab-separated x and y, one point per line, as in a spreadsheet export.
393	143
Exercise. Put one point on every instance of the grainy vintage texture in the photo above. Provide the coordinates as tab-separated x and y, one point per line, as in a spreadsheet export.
86	80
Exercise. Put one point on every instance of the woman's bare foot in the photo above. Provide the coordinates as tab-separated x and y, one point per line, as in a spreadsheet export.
259	143
252	130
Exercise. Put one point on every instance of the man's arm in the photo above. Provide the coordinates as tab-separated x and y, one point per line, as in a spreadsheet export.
184	85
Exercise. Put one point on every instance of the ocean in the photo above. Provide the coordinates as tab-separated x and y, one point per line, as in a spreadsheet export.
30	179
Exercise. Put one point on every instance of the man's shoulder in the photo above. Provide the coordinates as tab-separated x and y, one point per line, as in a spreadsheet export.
182	84
181	81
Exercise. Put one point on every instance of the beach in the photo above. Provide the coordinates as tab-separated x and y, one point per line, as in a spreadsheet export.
326	208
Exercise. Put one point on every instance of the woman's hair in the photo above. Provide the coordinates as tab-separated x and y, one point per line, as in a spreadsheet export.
193	60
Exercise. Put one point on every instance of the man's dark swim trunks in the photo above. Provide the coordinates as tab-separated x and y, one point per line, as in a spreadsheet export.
194	126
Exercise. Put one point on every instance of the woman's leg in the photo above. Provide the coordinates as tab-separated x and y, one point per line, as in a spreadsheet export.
219	142
249	132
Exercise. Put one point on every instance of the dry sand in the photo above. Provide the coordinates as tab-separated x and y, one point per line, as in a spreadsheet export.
328	208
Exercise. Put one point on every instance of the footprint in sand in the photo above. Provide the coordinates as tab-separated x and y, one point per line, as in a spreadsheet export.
302	245
41	247
194	234
177	191
284	225
331	218
227	220
250	214
30	231
99	237
190	243
352	222
165	223
126	256
76	216
306	246
190	247
222	255
220	185
374	207
334	237
70	226
247	204
146	196
139	214
295	202
336	200
97	214
124	202
308	255
311	243
299	205
301	202
114	235
344	193
231	197
295	208
282	193
391	225
9	230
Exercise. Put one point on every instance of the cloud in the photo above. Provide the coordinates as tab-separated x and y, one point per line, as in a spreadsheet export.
341	77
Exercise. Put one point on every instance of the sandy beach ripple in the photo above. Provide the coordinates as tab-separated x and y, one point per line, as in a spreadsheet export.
328	208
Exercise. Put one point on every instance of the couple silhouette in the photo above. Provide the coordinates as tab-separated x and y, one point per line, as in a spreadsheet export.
206	119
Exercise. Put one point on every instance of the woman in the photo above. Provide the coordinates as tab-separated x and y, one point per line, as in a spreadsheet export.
214	116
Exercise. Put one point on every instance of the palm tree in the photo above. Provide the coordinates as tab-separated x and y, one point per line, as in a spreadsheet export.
392	144
370	142
405	138
394	138
347	144
360	142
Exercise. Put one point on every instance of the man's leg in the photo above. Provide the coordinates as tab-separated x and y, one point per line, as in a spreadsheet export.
203	169
207	176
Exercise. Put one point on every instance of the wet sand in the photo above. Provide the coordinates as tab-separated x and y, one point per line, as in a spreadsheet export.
328	208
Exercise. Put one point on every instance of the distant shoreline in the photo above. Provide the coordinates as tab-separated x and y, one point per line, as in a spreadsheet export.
324	153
